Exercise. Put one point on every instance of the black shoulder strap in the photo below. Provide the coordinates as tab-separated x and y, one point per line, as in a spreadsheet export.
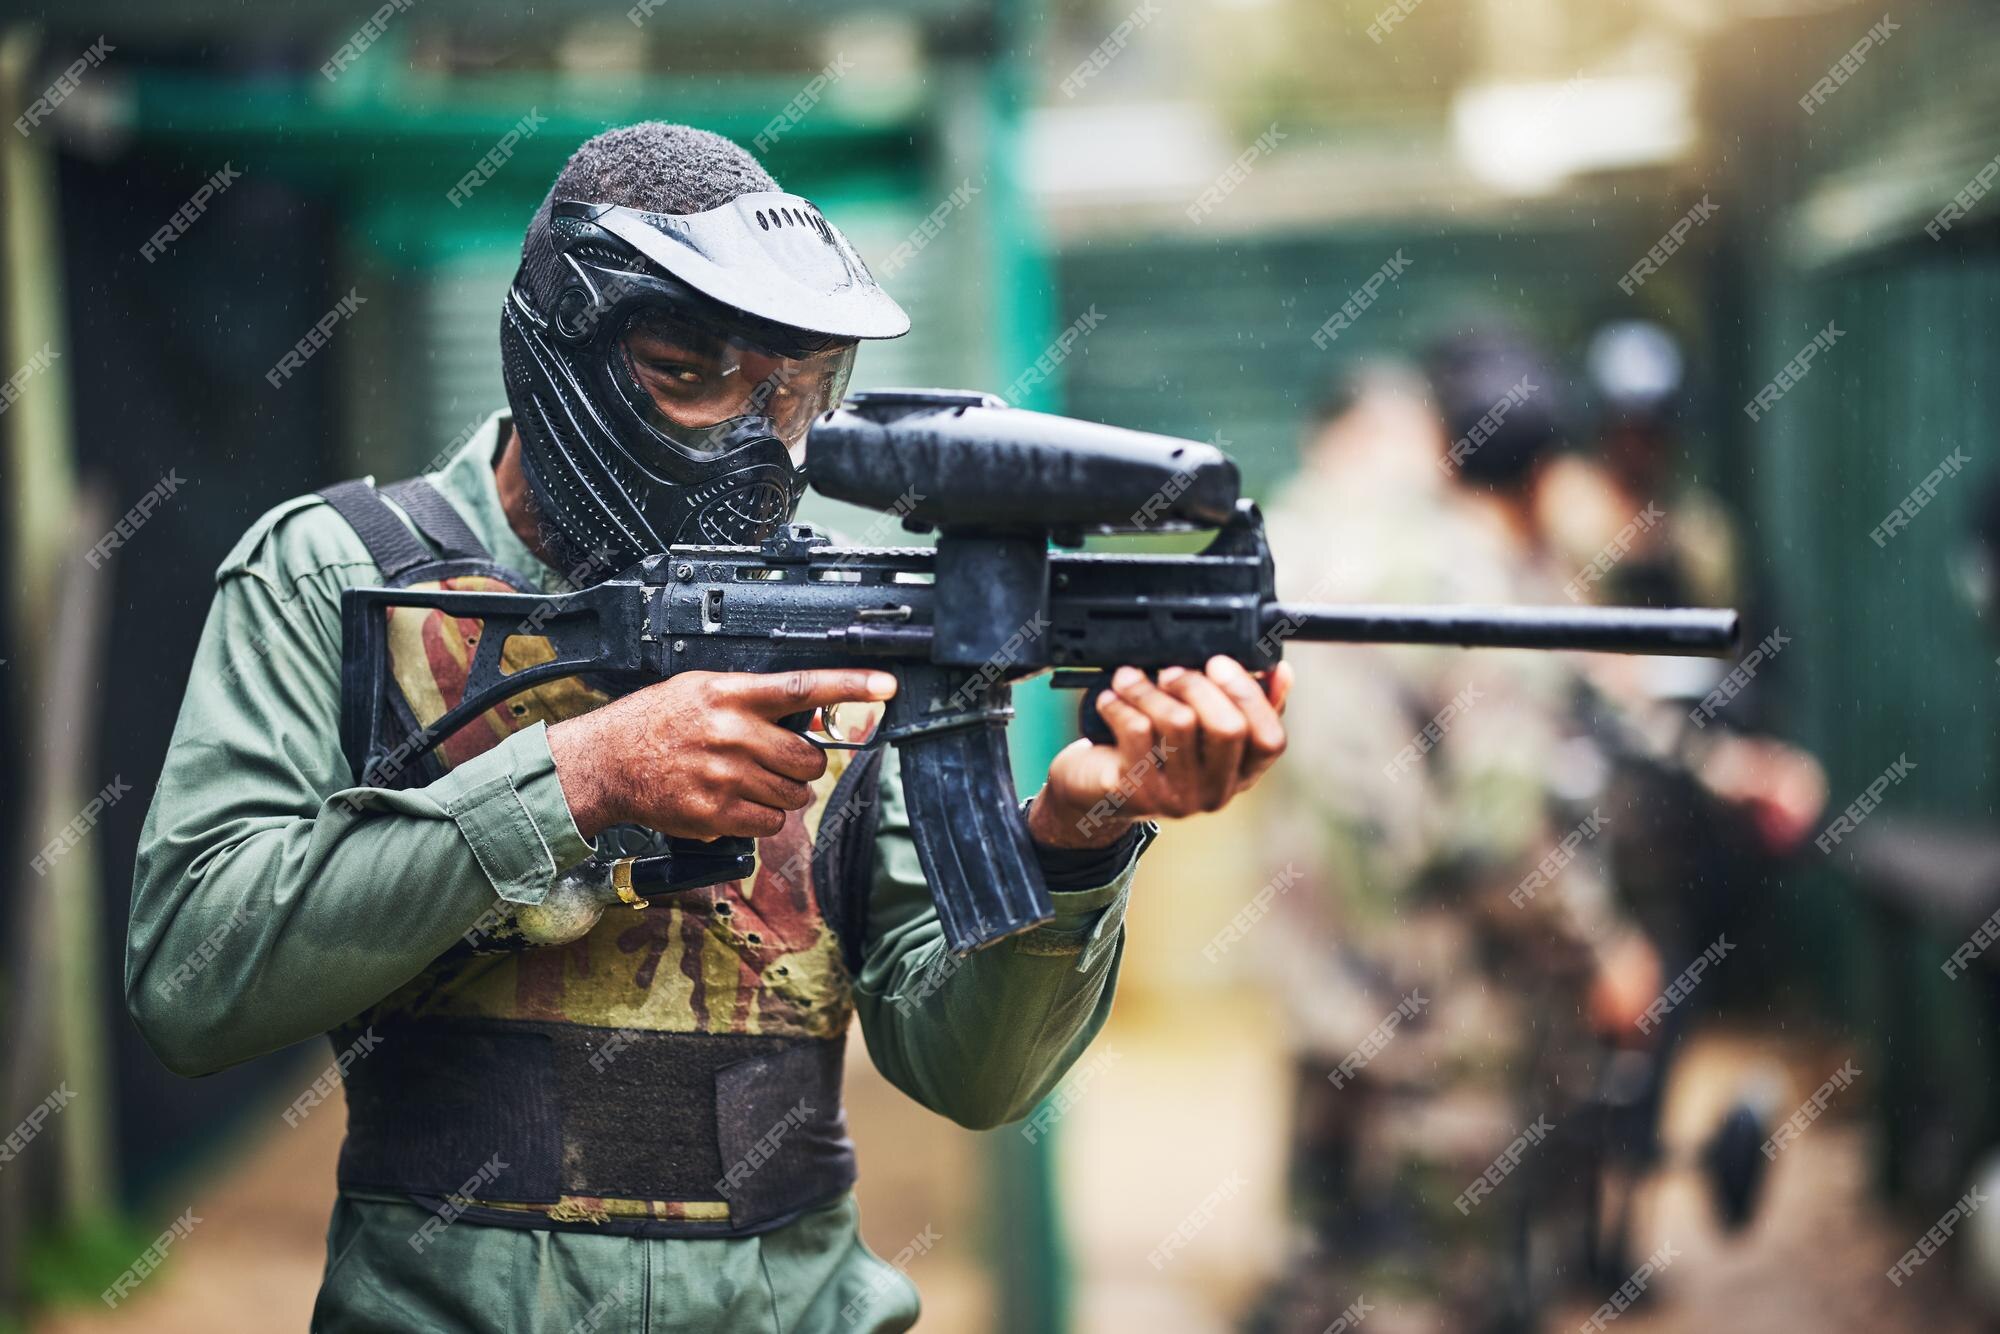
437	518
392	547
843	855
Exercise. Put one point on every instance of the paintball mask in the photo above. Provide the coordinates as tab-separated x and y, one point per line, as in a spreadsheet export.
663	369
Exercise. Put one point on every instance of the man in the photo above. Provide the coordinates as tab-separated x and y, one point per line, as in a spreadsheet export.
637	1123
1459	940
1685	551
1674	545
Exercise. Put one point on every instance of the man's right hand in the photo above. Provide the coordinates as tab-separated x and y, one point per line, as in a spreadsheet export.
702	755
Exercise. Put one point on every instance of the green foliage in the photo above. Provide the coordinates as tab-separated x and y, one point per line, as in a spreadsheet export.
73	1265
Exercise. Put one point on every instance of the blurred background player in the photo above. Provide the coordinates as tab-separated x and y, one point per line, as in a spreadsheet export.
1636	373
1711	802
1449	837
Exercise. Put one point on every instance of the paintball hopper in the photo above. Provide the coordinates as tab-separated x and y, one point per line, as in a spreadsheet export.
960	459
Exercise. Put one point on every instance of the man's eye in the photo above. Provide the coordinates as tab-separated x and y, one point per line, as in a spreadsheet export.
678	372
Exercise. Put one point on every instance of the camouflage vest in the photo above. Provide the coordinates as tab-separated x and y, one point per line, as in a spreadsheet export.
674	1070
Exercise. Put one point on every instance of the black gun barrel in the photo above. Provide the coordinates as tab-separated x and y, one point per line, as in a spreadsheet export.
1685	631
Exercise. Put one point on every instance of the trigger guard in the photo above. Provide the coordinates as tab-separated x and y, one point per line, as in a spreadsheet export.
828	743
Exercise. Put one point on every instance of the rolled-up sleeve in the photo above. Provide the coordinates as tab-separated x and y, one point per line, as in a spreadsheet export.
274	899
513	816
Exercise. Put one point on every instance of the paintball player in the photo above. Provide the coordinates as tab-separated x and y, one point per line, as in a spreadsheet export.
634	1123
1684	552
1459	947
1677	721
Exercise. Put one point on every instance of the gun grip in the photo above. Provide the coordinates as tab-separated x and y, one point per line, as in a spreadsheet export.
966	820
1090	723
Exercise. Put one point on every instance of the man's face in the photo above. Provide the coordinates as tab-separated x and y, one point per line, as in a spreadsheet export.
697	377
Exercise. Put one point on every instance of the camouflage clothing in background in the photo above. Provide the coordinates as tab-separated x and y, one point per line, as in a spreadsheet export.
1434	971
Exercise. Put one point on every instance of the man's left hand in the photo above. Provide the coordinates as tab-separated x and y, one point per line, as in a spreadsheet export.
1185	745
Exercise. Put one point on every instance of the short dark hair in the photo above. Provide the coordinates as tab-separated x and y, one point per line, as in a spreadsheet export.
661	168
1470	372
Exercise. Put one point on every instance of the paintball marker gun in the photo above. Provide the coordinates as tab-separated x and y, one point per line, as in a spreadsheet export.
992	604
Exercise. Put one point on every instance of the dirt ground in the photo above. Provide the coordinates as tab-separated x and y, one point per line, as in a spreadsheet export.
1816	1256
1812	1260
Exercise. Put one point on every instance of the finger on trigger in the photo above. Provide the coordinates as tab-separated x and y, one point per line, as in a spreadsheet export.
1267	733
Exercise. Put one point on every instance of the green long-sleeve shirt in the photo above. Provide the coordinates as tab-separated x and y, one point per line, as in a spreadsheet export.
265	911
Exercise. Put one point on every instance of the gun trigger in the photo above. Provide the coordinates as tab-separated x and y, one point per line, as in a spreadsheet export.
828	720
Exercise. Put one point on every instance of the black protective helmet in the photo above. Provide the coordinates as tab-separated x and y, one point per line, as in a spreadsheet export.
663	369
1475	371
